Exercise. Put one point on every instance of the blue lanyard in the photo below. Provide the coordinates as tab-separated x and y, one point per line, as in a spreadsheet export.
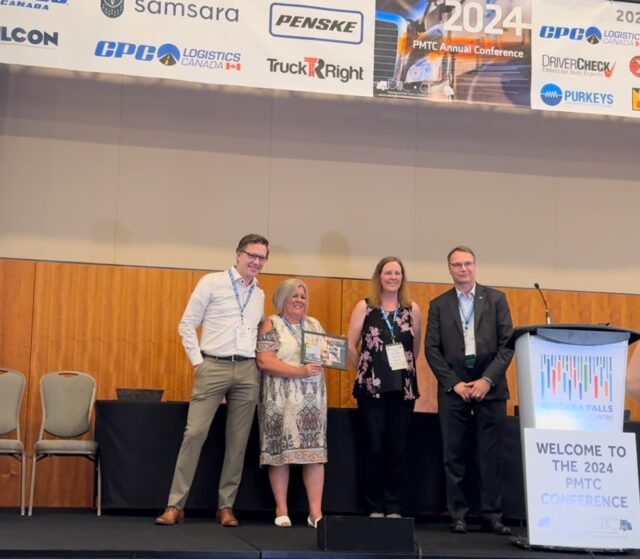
391	325
237	293
297	335
466	317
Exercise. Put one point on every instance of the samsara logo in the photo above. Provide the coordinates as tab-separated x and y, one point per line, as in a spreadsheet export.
634	66
112	8
316	23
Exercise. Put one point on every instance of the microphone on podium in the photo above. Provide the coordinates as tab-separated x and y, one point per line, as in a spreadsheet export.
547	314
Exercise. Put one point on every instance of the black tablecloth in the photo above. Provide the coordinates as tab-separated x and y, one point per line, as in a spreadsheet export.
139	443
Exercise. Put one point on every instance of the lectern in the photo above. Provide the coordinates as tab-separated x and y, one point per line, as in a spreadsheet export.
580	469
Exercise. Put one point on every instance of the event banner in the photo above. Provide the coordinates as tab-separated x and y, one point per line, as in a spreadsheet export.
582	489
324	48
586	57
475	51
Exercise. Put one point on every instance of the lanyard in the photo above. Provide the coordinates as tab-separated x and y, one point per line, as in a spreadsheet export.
391	325
466	317
297	335
237	293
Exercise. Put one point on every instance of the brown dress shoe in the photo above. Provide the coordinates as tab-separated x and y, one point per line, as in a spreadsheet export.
171	516
226	518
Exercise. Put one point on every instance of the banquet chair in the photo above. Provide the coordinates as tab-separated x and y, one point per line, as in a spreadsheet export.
67	407
12	384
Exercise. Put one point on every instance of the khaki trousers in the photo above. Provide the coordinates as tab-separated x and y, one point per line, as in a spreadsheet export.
240	383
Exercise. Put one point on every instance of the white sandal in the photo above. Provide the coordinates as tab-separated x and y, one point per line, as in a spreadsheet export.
313	522
282	521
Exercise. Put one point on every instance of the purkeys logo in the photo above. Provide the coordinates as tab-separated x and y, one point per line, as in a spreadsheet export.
169	54
115	8
42	5
577	66
316	23
21	37
635	99
552	95
316	68
634	66
112	8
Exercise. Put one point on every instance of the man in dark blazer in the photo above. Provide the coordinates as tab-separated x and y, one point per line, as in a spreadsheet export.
466	347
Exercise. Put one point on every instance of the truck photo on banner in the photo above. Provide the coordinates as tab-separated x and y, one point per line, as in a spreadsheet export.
586	57
475	51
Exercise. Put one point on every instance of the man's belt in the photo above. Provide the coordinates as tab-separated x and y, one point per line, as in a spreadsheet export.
230	358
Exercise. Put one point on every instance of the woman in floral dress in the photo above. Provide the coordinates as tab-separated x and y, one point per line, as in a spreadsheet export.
293	406
384	343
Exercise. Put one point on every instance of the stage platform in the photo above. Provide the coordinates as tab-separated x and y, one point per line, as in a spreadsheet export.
80	534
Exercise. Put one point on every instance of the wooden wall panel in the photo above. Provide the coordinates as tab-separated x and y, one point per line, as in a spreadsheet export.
120	325
16	310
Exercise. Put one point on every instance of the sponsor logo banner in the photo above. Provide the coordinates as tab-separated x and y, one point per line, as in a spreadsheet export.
228	42
581	50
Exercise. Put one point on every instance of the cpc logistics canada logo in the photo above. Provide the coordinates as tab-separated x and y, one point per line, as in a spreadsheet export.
169	54
592	35
316	23
41	5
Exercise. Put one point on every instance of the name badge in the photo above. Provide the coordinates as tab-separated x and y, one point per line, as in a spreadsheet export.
244	340
397	357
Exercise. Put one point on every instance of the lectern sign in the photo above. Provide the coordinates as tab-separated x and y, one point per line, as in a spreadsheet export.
581	474
576	386
582	489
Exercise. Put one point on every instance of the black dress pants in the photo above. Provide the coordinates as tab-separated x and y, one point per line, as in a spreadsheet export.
386	422
456	422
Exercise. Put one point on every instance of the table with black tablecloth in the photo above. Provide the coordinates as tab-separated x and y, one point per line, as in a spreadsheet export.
139	443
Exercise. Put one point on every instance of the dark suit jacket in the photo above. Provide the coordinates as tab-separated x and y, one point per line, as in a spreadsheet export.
444	344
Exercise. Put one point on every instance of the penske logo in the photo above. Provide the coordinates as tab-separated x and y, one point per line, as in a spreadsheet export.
315	23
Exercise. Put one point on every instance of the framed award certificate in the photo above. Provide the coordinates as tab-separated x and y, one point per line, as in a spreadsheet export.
328	351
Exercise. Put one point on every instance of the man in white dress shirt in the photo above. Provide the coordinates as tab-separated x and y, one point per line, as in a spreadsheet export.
229	305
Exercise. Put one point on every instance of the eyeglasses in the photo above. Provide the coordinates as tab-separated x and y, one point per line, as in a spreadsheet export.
253	256
460	265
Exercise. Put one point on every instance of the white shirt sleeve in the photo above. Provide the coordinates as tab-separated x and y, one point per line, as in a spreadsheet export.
192	319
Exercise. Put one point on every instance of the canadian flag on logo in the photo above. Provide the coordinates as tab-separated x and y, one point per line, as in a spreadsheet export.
233	66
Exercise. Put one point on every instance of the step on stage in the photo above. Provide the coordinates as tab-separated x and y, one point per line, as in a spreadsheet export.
81	534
